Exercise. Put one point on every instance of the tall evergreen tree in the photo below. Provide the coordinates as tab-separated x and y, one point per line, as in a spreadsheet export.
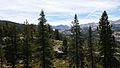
26	45
45	49
75	50
106	41
1	46
11	43
90	45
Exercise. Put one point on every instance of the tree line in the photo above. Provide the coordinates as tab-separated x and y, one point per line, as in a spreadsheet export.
32	47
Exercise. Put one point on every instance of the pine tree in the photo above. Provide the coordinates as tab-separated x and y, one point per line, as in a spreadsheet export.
45	49
1	46
90	45
75	50
57	34
11	43
65	45
106	41
27	45
50	31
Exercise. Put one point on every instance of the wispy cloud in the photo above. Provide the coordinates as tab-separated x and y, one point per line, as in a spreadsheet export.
58	11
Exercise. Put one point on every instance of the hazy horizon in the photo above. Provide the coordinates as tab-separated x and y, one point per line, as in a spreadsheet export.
58	12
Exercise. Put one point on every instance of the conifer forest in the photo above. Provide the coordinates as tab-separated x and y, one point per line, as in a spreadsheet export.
59	33
41	46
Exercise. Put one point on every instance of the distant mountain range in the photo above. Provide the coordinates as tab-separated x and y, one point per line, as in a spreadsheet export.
61	27
115	24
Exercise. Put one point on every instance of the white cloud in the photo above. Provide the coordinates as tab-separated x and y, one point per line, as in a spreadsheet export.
65	22
19	10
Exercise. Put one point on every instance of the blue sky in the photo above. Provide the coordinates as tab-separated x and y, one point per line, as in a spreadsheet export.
58	11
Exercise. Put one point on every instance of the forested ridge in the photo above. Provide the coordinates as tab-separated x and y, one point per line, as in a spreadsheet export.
41	46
